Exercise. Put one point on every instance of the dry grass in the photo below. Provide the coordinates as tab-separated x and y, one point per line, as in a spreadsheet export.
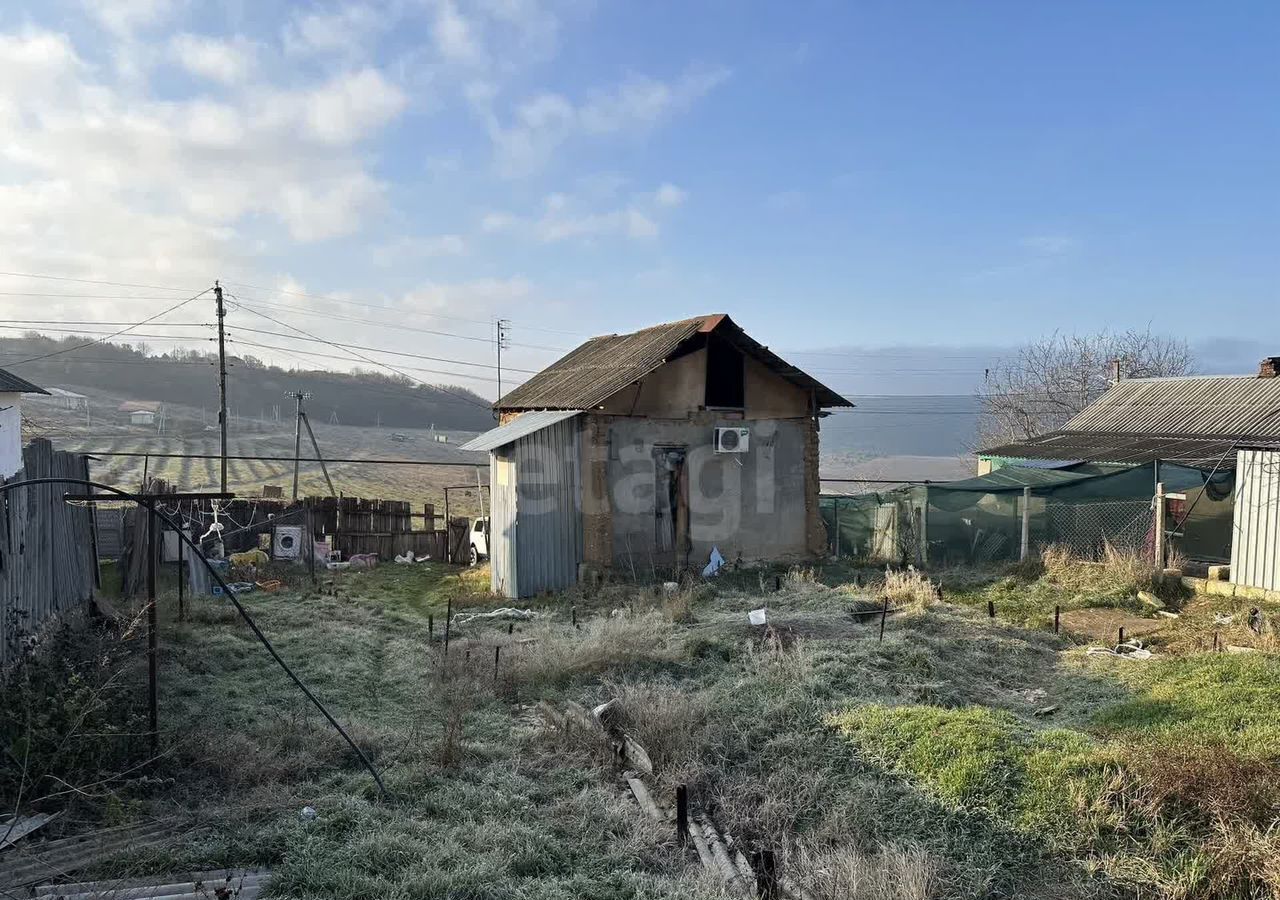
908	587
558	655
1119	572
670	722
892	873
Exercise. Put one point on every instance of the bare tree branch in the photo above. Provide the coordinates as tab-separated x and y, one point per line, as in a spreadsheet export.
1050	380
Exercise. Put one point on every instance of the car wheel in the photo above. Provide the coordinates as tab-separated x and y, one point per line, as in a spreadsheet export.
473	557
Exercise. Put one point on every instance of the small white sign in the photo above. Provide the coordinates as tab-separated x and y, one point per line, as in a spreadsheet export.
1175	496
758	616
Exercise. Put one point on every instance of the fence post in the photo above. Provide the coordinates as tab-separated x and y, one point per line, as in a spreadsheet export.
1057	618
182	606
765	865
153	662
1158	540
682	814
836	519
884	614
1026	522
497	655
448	617
991	609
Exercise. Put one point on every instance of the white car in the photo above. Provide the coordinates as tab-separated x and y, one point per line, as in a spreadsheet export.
479	540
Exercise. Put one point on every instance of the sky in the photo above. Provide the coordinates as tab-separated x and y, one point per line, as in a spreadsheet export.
890	193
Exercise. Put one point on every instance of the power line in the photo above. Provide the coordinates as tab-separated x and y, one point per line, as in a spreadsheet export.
147	287
375	362
116	333
313	353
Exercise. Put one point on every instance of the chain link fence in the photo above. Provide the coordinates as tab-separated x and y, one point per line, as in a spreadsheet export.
1086	528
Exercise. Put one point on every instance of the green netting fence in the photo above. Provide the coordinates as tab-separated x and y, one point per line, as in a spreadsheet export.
978	521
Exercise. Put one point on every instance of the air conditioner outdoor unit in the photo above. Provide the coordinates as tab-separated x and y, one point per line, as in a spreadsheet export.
732	440
287	542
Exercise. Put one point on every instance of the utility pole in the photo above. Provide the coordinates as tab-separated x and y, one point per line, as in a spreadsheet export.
299	396
222	385
304	420
503	325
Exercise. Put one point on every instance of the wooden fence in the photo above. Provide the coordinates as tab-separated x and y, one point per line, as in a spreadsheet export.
48	557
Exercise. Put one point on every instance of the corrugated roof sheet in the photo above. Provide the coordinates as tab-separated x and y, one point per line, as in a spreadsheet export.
1134	449
1213	406
601	367
522	426
1015	478
12	384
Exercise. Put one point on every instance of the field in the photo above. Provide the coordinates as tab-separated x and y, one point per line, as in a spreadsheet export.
960	756
189	431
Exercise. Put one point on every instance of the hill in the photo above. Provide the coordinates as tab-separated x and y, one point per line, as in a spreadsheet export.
254	389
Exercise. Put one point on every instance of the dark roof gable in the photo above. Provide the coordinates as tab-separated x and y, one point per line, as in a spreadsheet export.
595	371
12	384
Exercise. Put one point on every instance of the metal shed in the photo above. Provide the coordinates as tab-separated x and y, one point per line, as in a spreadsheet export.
535	482
1255	545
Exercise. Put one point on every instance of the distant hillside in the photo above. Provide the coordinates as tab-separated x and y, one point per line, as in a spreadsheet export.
254	389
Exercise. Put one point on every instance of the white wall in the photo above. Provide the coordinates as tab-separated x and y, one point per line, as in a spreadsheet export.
10	434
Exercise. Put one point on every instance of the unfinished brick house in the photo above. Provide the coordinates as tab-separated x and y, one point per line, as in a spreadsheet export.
641	453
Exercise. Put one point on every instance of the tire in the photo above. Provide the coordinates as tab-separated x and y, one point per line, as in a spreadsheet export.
473	557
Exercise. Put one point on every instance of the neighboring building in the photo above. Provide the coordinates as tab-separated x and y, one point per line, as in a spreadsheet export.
11	390
140	412
1184	432
65	399
1255	549
641	453
1194	421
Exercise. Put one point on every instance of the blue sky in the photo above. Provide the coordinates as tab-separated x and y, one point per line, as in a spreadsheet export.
892	175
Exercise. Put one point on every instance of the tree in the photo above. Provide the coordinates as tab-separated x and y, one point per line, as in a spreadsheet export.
1048	381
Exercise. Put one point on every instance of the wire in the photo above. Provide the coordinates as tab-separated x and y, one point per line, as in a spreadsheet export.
288	459
116	333
375	362
148	287
460	362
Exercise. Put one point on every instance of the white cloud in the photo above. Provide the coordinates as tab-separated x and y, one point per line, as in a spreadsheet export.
125	16
409	249
541	124
184	175
345	30
481	297
565	217
350	106
669	195
454	35
224	61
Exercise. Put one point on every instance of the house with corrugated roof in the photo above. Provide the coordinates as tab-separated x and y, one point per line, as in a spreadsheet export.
1185	433
1196	421
650	453
11	390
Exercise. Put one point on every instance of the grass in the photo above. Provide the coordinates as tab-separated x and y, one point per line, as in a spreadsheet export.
914	767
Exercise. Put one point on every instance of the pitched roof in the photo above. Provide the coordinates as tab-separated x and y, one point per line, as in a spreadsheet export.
12	384
1128	449
595	371
1210	406
521	426
1194	421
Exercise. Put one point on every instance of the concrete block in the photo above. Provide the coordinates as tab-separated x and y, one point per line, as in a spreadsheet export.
1219	573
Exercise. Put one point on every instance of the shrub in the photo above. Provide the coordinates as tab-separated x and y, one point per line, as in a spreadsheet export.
909	588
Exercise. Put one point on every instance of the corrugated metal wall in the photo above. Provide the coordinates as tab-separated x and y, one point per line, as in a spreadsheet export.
1255	545
536	522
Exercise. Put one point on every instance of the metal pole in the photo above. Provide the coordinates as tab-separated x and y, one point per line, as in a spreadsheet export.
1026	522
153	674
448	542
182	608
1158	538
837	521
297	441
306	420
222	379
